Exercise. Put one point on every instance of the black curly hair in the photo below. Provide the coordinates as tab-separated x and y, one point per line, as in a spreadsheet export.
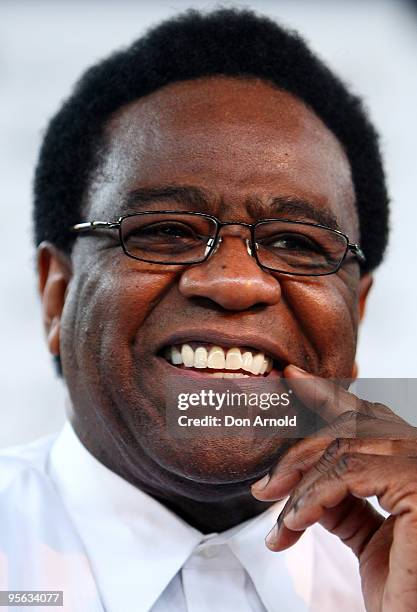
229	42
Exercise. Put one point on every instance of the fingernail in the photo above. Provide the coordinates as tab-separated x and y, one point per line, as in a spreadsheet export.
261	484
294	367
289	518
272	535
280	518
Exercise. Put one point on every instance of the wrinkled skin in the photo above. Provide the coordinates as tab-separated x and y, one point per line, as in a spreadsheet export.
244	143
365	450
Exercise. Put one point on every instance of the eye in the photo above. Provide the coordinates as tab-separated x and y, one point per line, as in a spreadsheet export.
164	230
293	242
166	236
168	228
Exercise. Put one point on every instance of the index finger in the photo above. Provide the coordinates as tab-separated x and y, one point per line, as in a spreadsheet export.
329	399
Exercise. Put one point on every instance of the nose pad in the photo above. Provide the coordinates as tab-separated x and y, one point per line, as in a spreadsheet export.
219	240
210	244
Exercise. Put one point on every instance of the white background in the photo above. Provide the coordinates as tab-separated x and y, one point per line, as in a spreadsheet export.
44	46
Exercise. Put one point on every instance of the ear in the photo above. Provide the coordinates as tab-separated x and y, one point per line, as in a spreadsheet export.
54	272
365	285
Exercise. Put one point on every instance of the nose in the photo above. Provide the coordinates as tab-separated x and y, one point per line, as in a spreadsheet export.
231	278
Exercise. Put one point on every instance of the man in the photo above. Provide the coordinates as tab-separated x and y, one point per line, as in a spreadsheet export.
210	200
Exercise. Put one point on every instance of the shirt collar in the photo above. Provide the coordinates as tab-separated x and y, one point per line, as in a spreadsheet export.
117	521
287	575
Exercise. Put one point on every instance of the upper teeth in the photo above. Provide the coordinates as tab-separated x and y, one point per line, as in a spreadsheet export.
217	358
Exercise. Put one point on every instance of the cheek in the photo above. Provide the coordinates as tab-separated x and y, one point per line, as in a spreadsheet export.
104	311
327	316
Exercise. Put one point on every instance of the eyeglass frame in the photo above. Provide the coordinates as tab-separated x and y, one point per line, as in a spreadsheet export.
354	248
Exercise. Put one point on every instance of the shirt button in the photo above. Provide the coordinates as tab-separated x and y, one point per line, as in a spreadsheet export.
210	551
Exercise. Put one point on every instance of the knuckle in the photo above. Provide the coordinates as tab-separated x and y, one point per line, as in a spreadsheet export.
324	463
376	410
381	409
305	461
338	447
349	463
401	496
384	412
348	416
368	408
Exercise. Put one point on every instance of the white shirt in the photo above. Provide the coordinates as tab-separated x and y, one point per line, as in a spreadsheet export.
69	523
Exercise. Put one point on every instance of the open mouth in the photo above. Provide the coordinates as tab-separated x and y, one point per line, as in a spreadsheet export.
216	361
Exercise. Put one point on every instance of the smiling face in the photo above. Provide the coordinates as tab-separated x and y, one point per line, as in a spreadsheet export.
241	150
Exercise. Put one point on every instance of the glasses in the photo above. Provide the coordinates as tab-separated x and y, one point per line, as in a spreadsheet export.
281	245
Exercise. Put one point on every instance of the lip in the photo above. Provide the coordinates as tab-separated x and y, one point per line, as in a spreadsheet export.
227	339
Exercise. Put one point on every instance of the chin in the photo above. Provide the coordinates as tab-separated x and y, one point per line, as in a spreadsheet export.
224	461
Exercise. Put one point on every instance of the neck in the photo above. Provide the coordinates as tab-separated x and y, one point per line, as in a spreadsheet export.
208	508
215	516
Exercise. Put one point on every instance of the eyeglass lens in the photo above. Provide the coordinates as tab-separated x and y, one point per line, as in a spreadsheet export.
185	237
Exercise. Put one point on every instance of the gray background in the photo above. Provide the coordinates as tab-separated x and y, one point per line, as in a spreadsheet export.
43	48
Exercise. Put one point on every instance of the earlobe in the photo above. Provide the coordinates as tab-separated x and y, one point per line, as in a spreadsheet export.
365	285
54	269
53	336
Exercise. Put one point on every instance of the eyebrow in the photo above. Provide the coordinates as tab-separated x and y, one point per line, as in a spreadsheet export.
193	197
304	211
197	198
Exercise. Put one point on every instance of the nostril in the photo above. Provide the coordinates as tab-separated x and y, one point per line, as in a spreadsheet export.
207	304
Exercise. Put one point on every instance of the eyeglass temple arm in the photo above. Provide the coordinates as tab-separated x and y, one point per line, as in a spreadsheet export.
357	251
92	225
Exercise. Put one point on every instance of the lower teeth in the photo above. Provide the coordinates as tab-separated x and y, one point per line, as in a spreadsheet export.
227	375
219	374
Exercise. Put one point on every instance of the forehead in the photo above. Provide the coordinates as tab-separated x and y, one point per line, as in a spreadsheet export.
234	138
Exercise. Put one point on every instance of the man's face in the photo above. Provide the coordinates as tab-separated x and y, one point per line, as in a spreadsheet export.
244	144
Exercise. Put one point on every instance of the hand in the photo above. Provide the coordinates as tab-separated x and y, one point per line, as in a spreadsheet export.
365	450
